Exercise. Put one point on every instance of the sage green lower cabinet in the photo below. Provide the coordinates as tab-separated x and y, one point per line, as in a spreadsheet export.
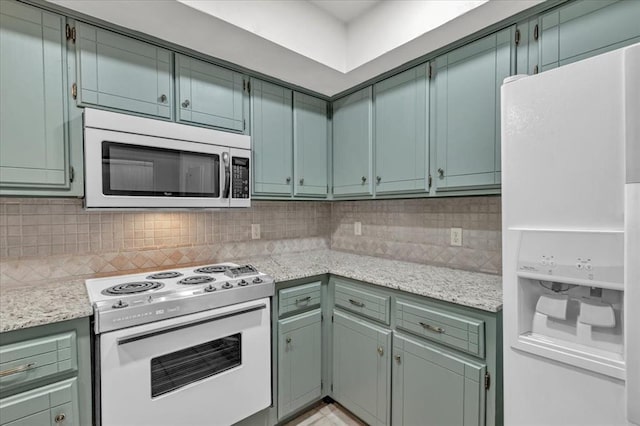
435	387
361	367
299	361
46	375
36	156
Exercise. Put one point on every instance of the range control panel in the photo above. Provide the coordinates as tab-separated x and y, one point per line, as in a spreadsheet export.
240	177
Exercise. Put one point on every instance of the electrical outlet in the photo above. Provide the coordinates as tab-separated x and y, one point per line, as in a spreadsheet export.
255	231
456	236
357	228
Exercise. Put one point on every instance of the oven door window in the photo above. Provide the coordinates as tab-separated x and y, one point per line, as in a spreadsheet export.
177	369
138	170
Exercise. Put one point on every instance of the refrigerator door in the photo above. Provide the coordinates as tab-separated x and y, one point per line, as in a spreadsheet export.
632	232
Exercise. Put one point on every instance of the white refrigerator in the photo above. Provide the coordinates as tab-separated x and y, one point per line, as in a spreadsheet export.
571	243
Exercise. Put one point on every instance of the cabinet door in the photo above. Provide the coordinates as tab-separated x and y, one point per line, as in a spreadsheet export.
582	29
401	132
271	138
34	153
209	95
466	111
310	145
123	73
44	406
352	144
299	361
361	370
435	387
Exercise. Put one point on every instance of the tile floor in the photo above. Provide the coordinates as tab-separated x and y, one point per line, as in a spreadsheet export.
326	415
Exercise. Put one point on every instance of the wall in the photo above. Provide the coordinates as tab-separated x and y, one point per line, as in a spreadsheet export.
418	230
46	238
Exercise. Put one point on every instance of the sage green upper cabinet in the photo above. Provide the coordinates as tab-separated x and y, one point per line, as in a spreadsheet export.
400	104
432	386
123	73
581	29
310	141
466	111
299	361
209	95
36	157
352	144
271	138
361	368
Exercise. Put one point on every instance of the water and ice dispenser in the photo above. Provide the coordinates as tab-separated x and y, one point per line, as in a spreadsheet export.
571	298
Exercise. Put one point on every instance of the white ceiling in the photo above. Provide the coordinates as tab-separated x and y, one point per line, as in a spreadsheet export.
326	46
345	10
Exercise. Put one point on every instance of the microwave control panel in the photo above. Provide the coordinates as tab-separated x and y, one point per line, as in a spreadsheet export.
240	177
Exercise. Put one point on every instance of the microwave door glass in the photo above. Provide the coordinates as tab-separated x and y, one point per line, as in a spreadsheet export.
138	170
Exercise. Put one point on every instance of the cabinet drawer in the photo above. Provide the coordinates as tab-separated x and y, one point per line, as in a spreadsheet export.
365	303
298	298
451	329
54	404
35	359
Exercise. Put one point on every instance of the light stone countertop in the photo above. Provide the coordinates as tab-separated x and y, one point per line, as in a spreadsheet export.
30	306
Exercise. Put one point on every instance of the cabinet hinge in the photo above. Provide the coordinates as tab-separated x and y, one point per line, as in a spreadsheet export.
244	124
536	32
331	387
331	321
74	90
249	86
70	33
72	174
321	317
321	385
487	381
430	180
430	71
517	37
536	70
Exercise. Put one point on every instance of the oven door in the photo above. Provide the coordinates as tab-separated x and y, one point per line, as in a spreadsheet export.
209	368
126	170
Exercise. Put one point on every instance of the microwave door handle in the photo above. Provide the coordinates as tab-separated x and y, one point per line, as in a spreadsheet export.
227	175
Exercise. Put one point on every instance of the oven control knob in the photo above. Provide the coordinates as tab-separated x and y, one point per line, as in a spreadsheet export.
209	288
257	280
120	304
242	283
227	285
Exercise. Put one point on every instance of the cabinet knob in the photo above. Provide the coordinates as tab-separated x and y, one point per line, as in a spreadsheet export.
302	181
380	350
163	98
288	339
397	358
378	179
441	173
60	418
289	180
364	179
186	103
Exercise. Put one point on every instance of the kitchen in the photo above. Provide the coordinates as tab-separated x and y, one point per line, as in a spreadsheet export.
388	271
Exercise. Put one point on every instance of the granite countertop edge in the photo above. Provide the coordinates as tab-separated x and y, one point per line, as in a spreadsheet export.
26	306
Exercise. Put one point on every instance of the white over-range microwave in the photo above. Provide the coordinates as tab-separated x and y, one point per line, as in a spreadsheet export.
138	163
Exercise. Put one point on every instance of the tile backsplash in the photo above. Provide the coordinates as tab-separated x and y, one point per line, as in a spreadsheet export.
48	238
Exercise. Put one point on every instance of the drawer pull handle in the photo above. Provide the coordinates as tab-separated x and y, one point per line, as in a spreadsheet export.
303	300
288	339
18	369
60	418
432	328
380	350
356	303
397	358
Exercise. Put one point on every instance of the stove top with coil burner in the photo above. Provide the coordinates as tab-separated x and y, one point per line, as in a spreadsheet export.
128	300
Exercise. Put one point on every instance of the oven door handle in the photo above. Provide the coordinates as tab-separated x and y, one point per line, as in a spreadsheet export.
158	331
